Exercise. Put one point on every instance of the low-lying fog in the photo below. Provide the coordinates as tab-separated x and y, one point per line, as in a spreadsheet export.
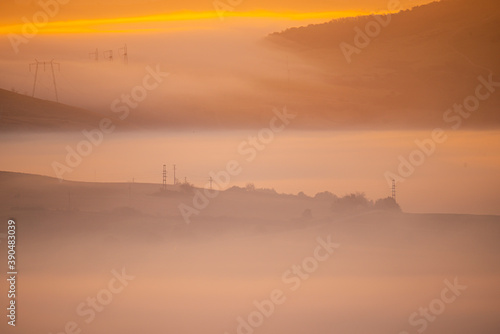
218	59
358	273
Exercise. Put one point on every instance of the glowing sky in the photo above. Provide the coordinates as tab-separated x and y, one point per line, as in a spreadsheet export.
78	16
151	23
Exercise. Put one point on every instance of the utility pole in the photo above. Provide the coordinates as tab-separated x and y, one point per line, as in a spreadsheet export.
175	180
164	185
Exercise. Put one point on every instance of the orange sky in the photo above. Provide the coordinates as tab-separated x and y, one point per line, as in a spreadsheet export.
115	16
158	22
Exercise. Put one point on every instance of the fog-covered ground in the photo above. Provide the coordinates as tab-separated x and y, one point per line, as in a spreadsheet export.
373	269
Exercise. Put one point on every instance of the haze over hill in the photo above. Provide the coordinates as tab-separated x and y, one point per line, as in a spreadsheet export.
421	64
404	69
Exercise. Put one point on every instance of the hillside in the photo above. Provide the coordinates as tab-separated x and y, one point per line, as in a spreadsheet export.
409	73
21	112
25	192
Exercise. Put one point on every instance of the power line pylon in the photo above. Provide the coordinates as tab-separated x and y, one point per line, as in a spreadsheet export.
108	54
45	63
94	55
394	189
164	184
124	54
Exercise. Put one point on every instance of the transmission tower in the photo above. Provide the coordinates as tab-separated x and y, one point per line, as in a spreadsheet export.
164	184
124	54
94	55
108	54
393	189
51	63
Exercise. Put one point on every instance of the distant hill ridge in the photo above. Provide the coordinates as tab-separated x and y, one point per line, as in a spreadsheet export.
439	17
408	69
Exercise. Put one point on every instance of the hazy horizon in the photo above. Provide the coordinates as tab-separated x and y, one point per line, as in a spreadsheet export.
461	179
